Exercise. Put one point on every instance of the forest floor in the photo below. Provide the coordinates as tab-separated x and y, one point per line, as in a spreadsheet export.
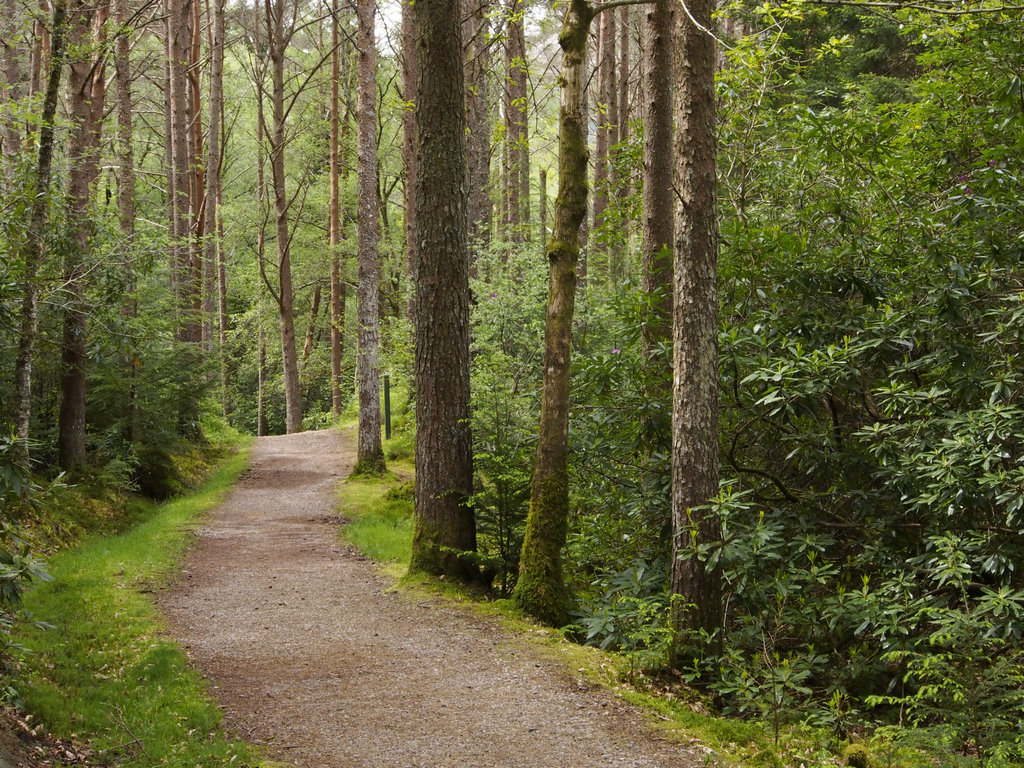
310	653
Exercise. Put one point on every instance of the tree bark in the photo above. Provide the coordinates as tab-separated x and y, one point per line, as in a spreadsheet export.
222	308
43	42
543	195
35	242
125	151
658	235
213	256
334	225
476	33
211	195
10	64
369	453
200	331
607	121
261	233
277	42
86	100
540	590
517	142
179	24
445	525
625	65
314	314
695	328
410	68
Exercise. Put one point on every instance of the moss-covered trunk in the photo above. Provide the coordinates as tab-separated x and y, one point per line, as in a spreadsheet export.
541	590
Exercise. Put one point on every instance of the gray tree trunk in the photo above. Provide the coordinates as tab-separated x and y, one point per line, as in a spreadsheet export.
334	224
278	38
369	453
35	243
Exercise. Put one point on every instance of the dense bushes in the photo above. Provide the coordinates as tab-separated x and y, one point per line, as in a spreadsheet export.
872	439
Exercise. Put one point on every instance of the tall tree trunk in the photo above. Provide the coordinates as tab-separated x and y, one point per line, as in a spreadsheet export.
35	242
261	367
517	143
445	526
277	43
369	453
179	24
125	151
10	64
541	589
476	33
213	244
658	236
222	308
607	121
622	182
185	281
695	329
39	63
261	236
543	195
410	67
86	100
625	65
199	330
334	225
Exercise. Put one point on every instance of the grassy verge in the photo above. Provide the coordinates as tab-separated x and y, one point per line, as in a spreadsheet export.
105	673
378	511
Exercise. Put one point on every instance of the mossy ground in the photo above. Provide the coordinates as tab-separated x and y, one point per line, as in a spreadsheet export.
104	672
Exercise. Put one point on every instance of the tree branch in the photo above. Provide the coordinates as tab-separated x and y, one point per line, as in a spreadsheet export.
898	6
598	7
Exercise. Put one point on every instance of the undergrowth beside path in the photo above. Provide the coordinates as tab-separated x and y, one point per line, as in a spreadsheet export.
104	672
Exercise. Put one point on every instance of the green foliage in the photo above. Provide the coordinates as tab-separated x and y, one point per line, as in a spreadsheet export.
20	495
104	672
507	348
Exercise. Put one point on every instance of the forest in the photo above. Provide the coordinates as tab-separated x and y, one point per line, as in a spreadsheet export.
702	322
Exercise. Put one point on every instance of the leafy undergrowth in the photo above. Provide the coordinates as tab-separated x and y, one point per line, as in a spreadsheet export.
379	524
104	672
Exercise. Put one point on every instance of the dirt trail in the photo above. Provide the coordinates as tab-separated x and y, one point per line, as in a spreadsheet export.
309	656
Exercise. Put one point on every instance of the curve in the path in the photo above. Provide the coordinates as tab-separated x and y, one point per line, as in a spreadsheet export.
310	656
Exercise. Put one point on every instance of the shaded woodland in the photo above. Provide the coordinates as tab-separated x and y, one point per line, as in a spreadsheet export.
706	321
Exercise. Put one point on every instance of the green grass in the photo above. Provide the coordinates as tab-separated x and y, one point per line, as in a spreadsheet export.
105	672
379	515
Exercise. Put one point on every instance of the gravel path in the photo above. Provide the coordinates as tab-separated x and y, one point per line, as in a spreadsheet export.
308	655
